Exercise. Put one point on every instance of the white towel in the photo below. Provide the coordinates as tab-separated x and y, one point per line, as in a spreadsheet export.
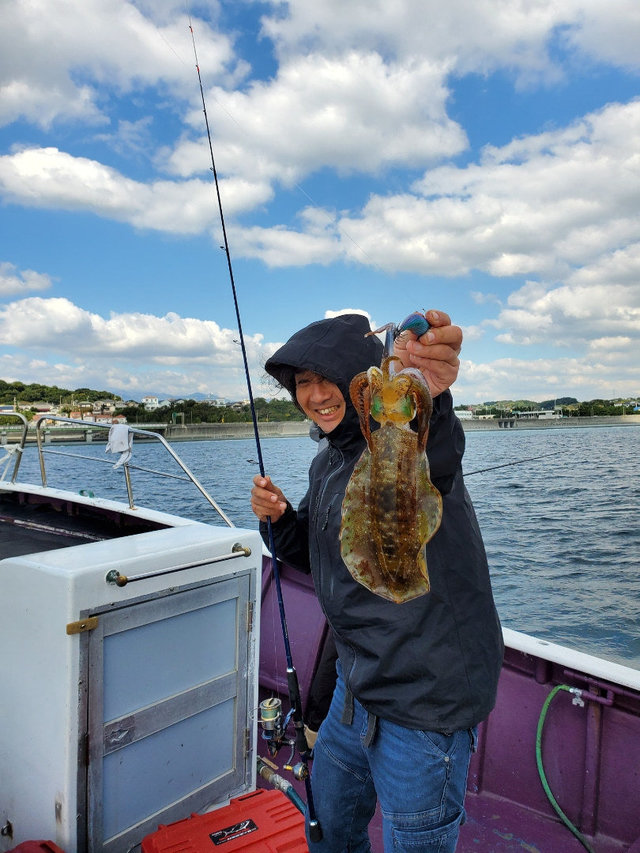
120	441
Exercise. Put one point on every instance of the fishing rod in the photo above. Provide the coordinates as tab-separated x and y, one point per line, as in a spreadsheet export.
295	714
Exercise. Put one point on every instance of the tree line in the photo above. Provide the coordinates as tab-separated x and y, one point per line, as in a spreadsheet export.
197	412
191	411
588	408
36	393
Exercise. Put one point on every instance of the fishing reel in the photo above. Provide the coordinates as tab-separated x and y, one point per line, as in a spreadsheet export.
273	724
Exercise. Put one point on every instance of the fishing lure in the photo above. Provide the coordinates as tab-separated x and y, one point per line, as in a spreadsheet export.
391	509
415	322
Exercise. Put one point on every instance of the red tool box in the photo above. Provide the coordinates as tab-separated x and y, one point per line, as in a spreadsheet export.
260	822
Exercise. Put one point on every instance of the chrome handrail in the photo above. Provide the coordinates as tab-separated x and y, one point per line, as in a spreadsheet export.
19	447
127	467
115	577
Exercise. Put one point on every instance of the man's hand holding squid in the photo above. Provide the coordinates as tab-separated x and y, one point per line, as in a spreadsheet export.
435	353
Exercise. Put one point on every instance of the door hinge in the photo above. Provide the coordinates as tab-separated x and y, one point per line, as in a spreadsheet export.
81	625
250	611
83	750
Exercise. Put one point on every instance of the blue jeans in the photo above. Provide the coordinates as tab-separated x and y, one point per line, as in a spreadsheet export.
419	778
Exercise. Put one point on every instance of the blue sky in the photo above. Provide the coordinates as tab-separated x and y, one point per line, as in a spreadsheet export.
477	158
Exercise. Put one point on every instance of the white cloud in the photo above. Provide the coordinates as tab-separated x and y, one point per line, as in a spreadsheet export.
14	282
353	113
483	298
528	208
140	352
340	311
136	354
586	378
51	323
133	381
117	46
47	177
473	37
607	32
280	247
57	57
130	136
596	301
541	204
473	333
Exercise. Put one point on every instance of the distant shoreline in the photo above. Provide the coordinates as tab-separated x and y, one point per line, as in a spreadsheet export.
292	429
298	428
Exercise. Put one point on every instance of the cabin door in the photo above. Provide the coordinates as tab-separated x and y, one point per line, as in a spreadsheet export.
166	710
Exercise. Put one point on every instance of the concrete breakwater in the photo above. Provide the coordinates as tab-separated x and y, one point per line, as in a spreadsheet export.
297	428
71	434
507	423
209	432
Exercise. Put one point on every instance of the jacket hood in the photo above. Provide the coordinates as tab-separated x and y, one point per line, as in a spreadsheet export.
335	348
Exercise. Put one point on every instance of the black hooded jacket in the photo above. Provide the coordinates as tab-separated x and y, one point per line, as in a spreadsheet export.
431	663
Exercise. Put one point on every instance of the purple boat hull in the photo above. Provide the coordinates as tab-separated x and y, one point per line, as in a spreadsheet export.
590	739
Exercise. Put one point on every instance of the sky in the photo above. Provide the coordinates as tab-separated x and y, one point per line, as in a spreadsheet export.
478	158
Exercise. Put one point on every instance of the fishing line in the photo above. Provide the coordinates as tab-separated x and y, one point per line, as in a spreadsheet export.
315	831
509	464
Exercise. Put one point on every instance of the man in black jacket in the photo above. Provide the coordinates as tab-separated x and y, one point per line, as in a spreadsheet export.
414	679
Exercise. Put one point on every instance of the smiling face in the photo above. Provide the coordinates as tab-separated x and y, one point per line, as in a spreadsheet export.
320	399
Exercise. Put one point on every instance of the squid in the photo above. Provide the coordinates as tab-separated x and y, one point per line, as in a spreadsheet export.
391	509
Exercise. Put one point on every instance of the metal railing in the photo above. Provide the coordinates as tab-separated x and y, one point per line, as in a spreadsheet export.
15	449
88	426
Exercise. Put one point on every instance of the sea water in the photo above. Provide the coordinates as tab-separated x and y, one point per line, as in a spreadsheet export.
559	511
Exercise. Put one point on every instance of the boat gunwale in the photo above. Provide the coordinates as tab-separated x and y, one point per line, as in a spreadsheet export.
107	504
585	662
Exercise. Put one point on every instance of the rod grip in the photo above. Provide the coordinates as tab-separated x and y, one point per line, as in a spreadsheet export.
302	746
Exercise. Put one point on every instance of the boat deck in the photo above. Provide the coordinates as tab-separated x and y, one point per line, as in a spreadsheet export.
31	523
496	825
